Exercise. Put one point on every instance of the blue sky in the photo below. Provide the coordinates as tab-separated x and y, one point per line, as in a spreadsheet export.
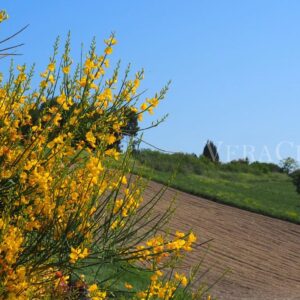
234	65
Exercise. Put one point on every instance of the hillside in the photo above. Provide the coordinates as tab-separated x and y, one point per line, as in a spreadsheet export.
257	187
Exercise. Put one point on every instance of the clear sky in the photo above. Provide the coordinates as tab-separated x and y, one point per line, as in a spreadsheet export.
234	65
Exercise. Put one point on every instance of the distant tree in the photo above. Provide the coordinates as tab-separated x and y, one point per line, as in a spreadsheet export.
130	129
296	179
288	165
210	151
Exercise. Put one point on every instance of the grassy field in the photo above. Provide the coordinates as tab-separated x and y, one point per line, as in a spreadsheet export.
253	187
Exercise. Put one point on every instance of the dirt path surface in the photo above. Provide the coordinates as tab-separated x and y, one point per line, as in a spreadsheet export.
262	253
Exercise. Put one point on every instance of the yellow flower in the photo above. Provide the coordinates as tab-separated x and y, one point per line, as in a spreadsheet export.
142	295
51	67
56	119
92	211
192	238
144	106
93	288
154	101
95	293
94	86
140	117
3	16
1	223
51	79
114	224
82	82
77	253
65	106
89	64
136	83
111	139
124	180
113	153
106	63
179	234
110	41
184	281
133	109
21	78
181	278
61	99
21	68
91	139
128	286
118	204
113	41
44	74
154	277
84	253
66	70
108	50
43	84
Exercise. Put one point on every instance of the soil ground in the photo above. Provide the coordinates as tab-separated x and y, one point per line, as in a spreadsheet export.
262	253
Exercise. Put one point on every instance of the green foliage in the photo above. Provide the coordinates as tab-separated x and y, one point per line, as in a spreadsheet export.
258	187
130	127
189	163
62	207
178	162
63	210
246	167
210	151
296	179
288	165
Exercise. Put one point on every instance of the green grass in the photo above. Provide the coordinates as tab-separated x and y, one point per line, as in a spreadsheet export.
251	188
115	275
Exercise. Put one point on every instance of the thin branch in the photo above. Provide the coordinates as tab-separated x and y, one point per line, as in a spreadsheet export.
12	47
15	34
9	54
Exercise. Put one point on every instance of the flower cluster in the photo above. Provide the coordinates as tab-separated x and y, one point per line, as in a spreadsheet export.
66	200
3	16
158	248
163	289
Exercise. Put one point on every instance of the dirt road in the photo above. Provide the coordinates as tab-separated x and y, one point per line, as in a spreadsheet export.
262	253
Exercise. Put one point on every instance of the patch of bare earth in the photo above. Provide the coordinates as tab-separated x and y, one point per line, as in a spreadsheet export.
262	253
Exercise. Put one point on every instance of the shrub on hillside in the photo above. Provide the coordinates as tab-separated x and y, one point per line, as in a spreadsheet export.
265	167
240	165
246	167
296	179
288	165
185	163
177	162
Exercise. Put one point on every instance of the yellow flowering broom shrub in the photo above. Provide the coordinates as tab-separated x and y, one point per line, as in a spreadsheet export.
63	207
